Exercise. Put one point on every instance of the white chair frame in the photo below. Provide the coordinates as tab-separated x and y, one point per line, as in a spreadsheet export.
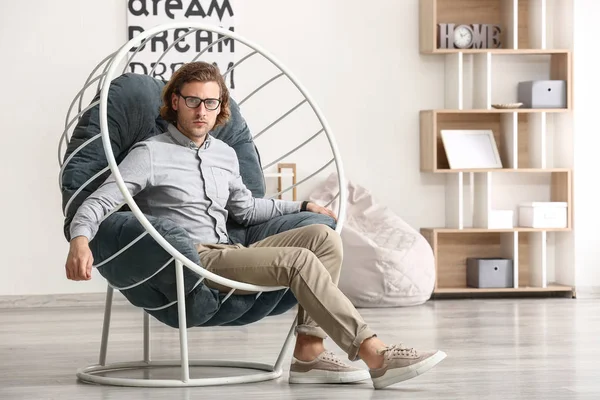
112	70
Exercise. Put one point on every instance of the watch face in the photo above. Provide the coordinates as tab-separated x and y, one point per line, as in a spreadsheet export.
463	37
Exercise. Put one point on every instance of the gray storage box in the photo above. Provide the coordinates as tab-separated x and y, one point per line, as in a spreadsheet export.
543	94
489	272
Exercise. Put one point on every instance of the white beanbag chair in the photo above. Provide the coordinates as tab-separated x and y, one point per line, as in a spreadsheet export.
386	263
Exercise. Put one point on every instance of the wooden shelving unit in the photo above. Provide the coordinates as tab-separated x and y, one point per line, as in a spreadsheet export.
533	146
281	174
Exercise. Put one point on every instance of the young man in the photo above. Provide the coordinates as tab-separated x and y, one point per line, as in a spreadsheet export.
194	179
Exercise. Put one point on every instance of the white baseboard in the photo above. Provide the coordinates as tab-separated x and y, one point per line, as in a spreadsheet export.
98	299
588	292
61	300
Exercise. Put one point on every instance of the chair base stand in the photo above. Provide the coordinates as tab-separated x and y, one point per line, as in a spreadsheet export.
89	374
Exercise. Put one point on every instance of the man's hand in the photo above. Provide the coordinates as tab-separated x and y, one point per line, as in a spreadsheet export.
80	260
312	207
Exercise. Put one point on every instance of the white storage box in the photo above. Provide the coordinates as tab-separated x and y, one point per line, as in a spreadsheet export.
543	94
543	215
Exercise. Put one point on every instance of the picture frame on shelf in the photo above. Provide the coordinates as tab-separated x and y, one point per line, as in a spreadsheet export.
471	149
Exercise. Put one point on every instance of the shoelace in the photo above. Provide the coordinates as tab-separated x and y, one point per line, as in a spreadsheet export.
330	356
398	350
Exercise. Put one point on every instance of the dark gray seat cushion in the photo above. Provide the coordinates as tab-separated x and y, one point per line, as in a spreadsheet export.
133	105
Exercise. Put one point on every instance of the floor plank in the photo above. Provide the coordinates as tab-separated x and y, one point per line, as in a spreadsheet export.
497	349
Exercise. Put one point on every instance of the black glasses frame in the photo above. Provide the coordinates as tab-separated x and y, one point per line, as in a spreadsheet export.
191	100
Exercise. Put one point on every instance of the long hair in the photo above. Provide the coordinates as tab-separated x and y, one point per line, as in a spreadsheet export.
190	72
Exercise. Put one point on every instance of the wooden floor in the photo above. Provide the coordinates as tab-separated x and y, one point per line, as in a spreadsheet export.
497	349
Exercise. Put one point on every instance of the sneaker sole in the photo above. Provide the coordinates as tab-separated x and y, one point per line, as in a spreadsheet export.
402	374
320	376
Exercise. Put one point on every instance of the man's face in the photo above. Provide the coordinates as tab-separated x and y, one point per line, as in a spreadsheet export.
195	123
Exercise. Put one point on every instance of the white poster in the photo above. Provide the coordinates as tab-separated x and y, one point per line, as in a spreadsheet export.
146	14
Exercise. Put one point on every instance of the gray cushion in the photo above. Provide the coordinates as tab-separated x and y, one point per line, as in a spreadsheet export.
133	105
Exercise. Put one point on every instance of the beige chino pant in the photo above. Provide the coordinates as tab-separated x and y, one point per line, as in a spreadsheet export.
308	260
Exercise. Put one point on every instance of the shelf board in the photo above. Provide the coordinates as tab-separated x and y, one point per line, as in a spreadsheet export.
518	170
499	110
528	289
485	230
500	51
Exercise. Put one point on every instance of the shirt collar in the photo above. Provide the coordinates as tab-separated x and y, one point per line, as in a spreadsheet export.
185	141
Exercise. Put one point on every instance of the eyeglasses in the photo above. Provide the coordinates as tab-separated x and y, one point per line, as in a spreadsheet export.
194	102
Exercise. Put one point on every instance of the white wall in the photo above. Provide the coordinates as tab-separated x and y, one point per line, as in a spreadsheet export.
346	56
362	67
586	145
48	49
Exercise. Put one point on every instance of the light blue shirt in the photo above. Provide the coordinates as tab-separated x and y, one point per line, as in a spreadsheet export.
195	187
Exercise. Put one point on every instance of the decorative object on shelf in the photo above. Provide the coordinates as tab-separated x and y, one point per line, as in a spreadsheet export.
507	105
490	273
543	214
476	36
543	94
500	219
470	148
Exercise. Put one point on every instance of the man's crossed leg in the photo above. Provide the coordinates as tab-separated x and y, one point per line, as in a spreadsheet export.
308	260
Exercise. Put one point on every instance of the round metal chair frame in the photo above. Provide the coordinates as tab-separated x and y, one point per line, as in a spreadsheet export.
92	373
